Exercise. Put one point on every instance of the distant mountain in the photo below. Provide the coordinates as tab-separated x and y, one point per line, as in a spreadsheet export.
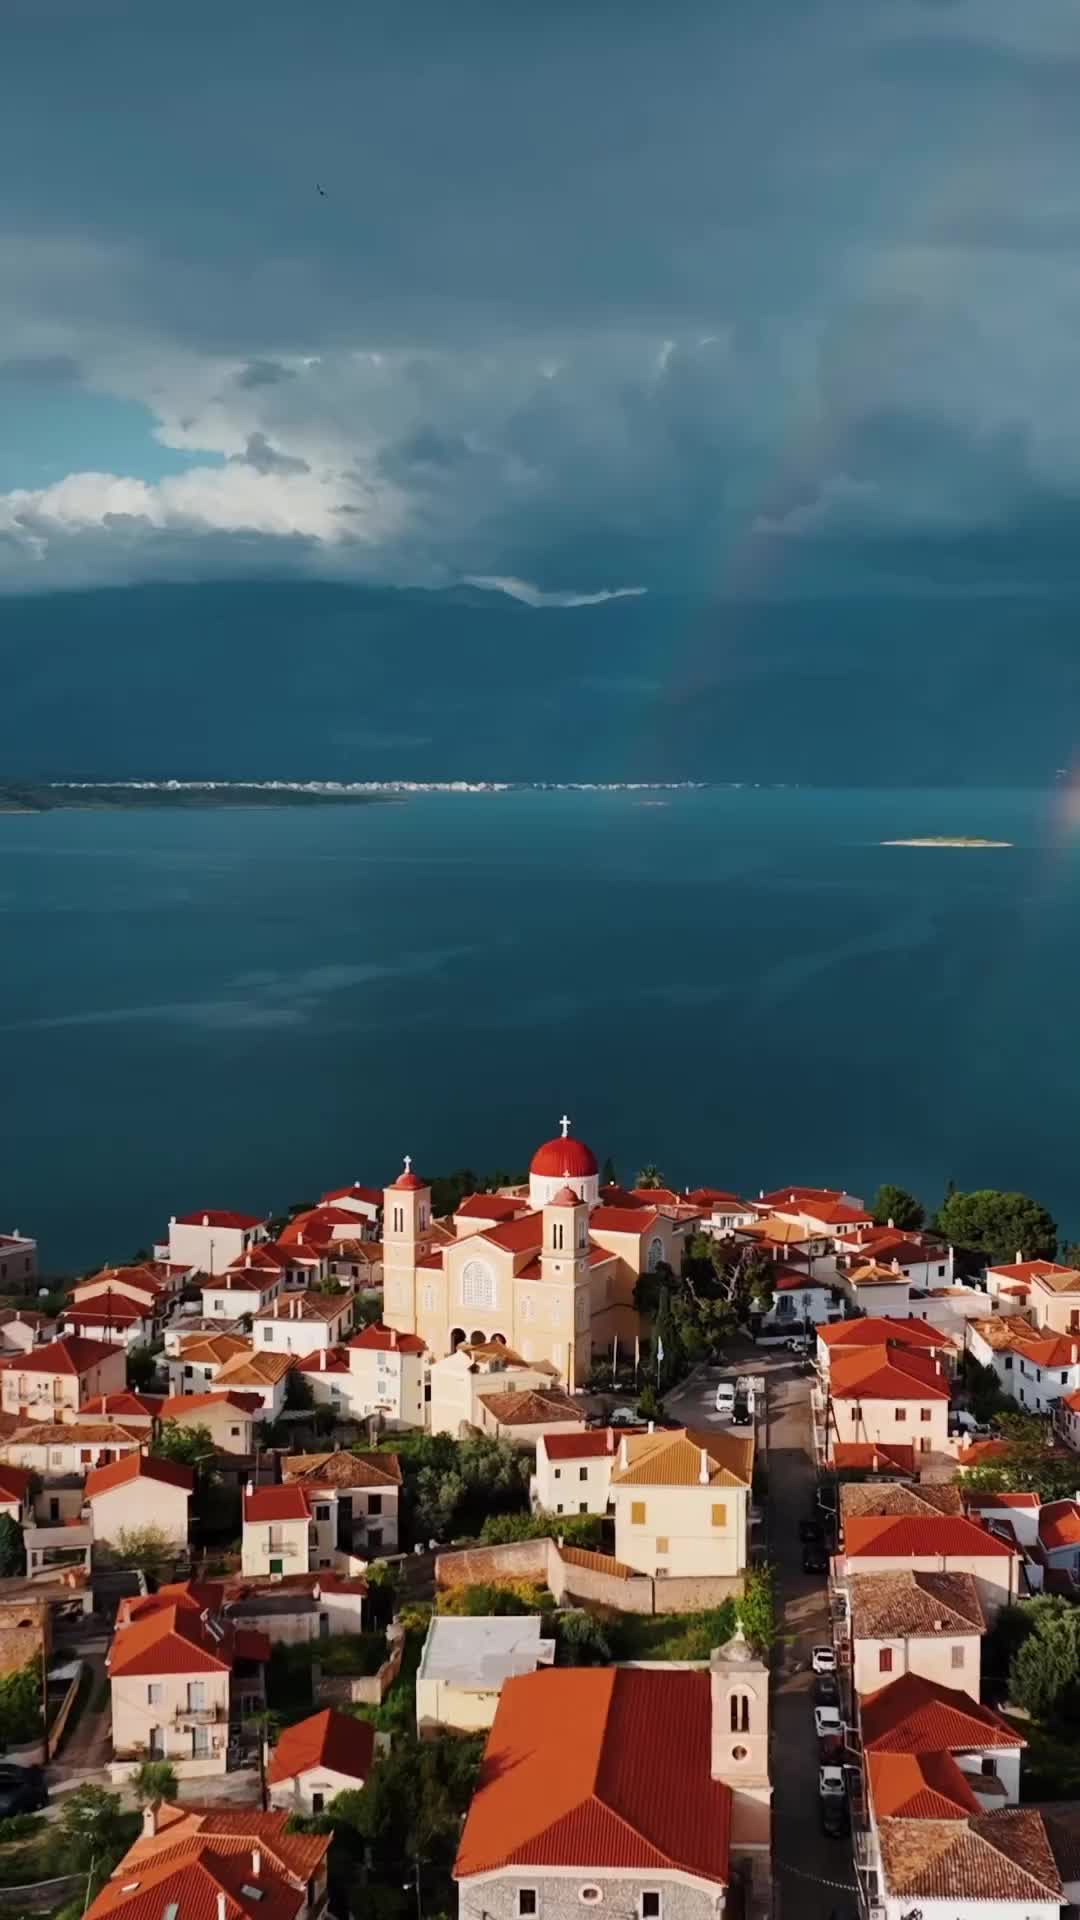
296	680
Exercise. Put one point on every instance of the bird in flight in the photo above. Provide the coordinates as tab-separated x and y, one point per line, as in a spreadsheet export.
321	191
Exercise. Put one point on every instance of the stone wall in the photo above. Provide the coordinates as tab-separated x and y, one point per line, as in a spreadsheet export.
360	1689
495	1897
582	1579
485	1566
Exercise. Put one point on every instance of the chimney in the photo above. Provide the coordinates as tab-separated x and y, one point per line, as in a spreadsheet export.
256	1862
892	1223
1019	1257
703	1471
150	1814
221	1904
650	1426
206	1219
611	1439
624	1457
393	1336
322	1359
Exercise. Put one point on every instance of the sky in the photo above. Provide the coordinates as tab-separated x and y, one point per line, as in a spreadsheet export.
753	298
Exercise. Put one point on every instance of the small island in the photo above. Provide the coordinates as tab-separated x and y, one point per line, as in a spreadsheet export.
946	840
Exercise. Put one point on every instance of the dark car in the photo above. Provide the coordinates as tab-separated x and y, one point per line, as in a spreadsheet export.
22	1790
742	1416
834	1817
811	1531
826	1690
815	1560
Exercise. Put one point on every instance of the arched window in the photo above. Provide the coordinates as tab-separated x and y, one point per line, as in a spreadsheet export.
740	1713
656	1253
477	1284
557	1235
457	1337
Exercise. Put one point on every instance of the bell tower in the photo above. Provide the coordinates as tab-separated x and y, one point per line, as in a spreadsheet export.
564	1266
406	1235
739	1684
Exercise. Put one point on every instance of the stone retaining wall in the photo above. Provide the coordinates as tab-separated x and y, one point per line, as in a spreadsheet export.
541	1564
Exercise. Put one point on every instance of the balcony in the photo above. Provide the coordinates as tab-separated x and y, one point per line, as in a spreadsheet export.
202	1716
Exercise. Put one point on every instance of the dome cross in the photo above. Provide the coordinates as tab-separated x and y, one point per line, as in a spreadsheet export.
565	1125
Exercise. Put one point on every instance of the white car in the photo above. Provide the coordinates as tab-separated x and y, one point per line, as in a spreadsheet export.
823	1659
831	1783
798	1343
725	1397
623	1417
827	1721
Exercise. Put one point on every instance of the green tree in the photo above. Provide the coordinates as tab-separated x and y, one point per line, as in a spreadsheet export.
649	1176
1070	1254
145	1548
1045	1669
92	1829
649	1406
581	1641
154	1780
188	1446
577	1529
142	1368
12	1550
1000	1225
757	1609
1028	1465
509	1597
897	1205
20	1704
409	1814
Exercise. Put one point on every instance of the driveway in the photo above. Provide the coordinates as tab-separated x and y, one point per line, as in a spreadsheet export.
813	1875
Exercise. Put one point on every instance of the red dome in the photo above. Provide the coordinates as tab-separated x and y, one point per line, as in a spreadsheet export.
566	1197
564	1156
408	1180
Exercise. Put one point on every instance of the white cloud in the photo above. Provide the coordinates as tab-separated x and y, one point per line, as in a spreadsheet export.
536	597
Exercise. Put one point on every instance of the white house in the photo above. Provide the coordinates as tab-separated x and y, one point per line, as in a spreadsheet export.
387	1375
316	1759
681	1502
211	1239
573	1470
140	1492
302	1322
245	1289
365	1202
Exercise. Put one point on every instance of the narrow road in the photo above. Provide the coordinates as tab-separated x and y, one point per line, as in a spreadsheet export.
813	1875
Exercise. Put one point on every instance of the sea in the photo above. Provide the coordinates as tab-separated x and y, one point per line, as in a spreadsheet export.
241	1008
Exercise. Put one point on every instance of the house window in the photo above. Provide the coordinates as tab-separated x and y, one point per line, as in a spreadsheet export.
527	1902
374	1504
322	1513
317	1800
856	1411
637	1513
583	1506
884	1660
583	1473
276	1566
153	1693
650	1906
740	1713
200	1742
234	1433
987	1767
662	1543
558	1473
719	1516
924	1413
957	1657
901	1413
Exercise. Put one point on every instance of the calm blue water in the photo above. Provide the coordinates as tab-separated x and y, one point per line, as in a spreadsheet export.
238	1009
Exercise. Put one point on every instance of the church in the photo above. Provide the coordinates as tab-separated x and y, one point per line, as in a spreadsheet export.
547	1270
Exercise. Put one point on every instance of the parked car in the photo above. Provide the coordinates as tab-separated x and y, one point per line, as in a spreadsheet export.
834	1817
797	1343
815	1560
811	1531
827	1690
743	1415
725	1397
831	1783
823	1659
623	1417
827	1723
22	1790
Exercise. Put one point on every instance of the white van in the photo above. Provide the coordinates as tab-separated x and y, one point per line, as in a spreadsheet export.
725	1398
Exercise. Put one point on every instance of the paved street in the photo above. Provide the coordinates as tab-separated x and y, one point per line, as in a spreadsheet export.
813	1875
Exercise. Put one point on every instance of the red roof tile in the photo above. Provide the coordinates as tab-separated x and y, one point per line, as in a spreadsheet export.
872	1330
874	1536
138	1466
516	1236
1059	1524
592	1444
490	1206
885	1373
126	1405
380	1339
372	1196
70	1355
276	1503
636	1220
218	1217
563	1156
879	1459
916	1715
176	1639
328	1739
14	1481
631	1789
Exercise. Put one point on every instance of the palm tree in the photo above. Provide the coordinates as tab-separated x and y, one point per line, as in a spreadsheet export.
649	1176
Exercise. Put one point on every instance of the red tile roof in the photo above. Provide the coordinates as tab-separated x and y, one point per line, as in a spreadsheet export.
380	1339
305	1306
872	1330
266	1257
516	1236
176	1639
886	1373
138	1466
201	1860
324	1360
1030	1269
219	1217
328	1739
372	1196
408	1181
787	1195
873	1536
589	1445
636	1220
924	1786
1059	1524
878	1459
630	1789
70	1355
14	1481
490	1206
125	1406
276	1503
916	1715
100	1308
176	1404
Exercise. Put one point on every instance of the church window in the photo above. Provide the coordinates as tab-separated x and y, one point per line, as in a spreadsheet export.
429	1299
399	1219
740	1713
477	1285
656	1253
528	1307
557	1236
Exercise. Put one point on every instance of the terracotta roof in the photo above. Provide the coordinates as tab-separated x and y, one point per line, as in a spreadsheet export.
885	1244
673	1458
380	1339
874	1330
74	1433
192	1596
875	1456
785	1196
407	1181
102	1308
344	1469
886	1373
490	1206
1000	1856
592	1444
138	1466
531	1407
896	1500
877	1537
184	1403
328	1739
200	1863
231	1829
1059	1524
14	1482
147	1278
888	1606
919	1786
275	1503
1043	1270
246	1279
631	1789
1062	1826
126	1405
324	1360
372	1196
265	1256
565	1197
564	1155
516	1236
70	1355
218	1217
916	1715
204	1349
635	1220
781	1233
254	1369
718	1198
791	1279
306	1306
176	1639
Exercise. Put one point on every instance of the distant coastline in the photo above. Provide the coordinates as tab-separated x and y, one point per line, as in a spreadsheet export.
946	840
48	796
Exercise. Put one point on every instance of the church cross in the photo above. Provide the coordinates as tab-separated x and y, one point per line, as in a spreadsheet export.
408	1163
565	1125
